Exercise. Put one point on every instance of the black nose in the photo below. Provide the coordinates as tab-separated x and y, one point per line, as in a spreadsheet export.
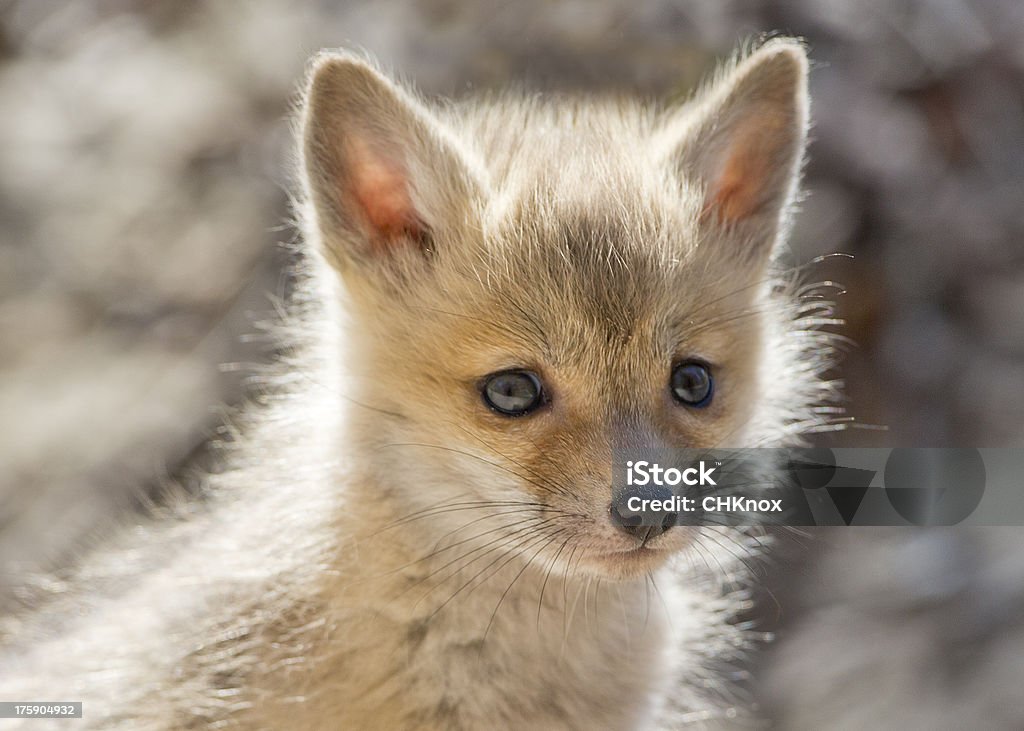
631	524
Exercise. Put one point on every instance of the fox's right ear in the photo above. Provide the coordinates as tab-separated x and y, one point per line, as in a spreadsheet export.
385	178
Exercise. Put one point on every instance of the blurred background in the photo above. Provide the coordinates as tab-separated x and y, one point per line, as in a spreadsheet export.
143	176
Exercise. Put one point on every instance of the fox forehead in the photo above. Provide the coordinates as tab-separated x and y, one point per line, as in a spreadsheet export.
522	139
590	275
580	300
560	170
585	220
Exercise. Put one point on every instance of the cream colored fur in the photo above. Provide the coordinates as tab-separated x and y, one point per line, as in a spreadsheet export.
385	553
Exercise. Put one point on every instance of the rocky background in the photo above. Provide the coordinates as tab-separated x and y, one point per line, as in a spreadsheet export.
143	177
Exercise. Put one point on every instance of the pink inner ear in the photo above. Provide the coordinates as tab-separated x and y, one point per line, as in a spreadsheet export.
745	179
380	190
737	194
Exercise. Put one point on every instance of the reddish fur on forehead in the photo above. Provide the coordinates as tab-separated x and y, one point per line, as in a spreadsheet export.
381	190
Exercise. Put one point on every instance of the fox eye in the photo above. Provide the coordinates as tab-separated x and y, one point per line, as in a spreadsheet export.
692	384
513	393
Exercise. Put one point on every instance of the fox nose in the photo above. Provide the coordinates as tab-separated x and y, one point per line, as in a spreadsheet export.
632	525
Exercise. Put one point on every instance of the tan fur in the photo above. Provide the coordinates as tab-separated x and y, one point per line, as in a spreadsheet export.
388	553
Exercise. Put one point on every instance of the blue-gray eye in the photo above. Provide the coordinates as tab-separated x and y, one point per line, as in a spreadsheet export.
513	393
692	384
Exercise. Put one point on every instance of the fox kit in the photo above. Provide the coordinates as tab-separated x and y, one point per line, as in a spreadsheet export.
416	533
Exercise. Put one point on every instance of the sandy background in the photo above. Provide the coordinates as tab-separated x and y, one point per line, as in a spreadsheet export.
143	150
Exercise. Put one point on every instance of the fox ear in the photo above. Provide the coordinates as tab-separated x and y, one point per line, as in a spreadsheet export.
384	176
743	143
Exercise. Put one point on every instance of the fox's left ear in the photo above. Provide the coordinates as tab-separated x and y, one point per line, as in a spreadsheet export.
743	142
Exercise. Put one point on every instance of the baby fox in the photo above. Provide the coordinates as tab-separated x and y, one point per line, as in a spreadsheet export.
416	533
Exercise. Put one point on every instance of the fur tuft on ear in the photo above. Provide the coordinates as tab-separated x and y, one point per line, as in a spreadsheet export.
383	174
743	141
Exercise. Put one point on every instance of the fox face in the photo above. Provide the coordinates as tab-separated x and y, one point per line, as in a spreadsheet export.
531	283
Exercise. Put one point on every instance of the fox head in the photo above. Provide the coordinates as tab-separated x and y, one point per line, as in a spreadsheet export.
530	282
